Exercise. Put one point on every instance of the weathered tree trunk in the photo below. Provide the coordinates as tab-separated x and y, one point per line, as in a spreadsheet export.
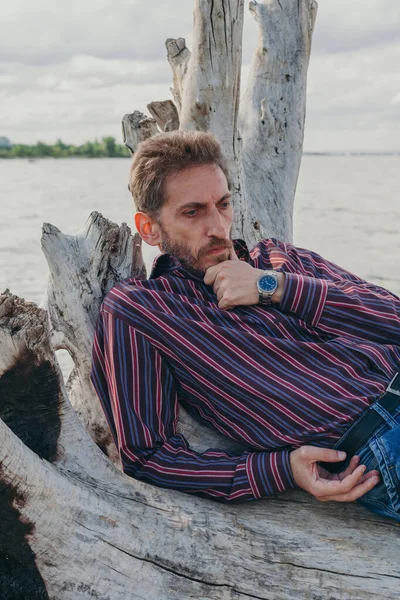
83	268
263	147
73	526
273	113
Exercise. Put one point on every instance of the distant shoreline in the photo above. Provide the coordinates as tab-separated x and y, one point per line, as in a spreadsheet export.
351	153
106	148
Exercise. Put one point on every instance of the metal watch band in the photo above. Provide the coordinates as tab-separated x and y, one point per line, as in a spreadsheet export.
263	296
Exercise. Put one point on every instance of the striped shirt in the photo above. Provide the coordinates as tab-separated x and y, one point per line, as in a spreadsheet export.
273	378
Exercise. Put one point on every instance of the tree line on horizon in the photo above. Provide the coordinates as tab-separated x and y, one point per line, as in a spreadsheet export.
106	148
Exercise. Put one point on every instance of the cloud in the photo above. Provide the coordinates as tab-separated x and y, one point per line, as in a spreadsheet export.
74	69
342	25
75	114
353	94
48	32
82	71
80	99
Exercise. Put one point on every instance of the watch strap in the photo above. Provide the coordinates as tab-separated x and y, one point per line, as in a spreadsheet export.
264	297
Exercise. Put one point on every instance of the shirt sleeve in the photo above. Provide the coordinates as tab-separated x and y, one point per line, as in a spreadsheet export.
338	302
137	392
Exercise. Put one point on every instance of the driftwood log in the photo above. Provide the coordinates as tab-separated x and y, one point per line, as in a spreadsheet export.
73	526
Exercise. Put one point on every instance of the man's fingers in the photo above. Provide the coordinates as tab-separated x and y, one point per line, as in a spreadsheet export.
353	464
334	487
217	288
232	254
351	480
358	477
223	305
356	493
369	475
347	486
211	274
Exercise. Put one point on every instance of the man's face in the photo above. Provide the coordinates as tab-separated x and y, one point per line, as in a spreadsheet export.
196	218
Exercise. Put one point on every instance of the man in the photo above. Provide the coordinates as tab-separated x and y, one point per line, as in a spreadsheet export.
285	362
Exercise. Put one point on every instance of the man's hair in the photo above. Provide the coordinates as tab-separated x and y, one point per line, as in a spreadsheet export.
167	154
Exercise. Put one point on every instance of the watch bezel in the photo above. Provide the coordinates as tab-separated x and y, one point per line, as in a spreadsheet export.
263	296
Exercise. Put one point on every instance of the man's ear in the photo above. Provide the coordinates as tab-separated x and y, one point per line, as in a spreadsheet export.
148	229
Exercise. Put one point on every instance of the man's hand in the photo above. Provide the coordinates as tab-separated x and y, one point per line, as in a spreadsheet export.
234	283
347	486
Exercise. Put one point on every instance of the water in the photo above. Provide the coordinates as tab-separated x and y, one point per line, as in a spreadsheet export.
346	209
60	192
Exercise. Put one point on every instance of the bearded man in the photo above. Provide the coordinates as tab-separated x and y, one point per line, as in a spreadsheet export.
276	348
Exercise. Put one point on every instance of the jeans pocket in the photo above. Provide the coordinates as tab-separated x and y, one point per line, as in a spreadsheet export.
386	450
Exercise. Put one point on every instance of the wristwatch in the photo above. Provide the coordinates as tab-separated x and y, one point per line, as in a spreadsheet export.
267	284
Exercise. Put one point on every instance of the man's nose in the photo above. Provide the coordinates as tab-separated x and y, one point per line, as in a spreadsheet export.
216	226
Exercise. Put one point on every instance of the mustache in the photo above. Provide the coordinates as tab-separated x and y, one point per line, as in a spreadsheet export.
214	245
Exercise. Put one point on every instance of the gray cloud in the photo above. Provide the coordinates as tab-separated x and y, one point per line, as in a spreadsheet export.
73	69
48	32
81	71
343	26
354	97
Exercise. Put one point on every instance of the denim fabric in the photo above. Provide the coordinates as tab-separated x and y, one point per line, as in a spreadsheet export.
382	452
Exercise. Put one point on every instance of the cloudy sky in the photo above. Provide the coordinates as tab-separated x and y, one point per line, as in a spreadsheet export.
73	69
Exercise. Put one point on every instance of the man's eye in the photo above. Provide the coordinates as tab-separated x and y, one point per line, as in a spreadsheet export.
190	213
225	204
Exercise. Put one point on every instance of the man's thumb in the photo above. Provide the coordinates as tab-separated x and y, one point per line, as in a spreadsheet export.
317	454
331	455
232	254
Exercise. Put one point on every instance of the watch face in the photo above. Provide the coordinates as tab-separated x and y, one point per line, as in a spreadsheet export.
267	283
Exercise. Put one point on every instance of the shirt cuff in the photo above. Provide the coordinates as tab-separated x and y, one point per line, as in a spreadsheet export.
304	297
269	472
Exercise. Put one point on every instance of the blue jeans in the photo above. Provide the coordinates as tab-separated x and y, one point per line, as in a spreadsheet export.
382	452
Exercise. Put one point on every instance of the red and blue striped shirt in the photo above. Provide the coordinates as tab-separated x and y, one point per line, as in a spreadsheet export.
273	378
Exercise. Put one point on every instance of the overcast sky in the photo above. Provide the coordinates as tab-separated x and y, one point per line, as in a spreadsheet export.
73	69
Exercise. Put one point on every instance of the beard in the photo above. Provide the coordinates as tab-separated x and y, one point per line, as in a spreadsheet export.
199	262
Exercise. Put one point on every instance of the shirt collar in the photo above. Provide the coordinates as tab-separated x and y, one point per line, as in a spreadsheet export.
167	264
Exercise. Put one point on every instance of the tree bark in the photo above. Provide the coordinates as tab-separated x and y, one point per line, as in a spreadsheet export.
178	57
83	268
165	114
136	128
273	114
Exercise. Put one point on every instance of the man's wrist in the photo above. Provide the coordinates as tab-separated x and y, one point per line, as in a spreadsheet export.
277	295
